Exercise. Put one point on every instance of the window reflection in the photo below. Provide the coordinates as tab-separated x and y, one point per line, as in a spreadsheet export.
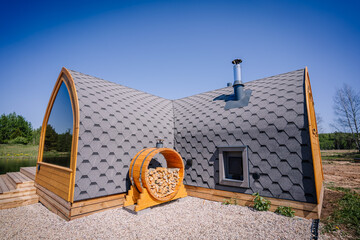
58	136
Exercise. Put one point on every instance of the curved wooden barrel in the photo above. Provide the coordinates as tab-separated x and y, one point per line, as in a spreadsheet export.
140	164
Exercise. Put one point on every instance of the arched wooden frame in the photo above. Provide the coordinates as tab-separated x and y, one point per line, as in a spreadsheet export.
61	180
314	139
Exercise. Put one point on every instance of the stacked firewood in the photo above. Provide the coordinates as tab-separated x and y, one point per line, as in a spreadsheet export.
162	181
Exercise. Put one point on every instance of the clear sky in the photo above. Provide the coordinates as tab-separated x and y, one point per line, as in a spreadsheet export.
174	49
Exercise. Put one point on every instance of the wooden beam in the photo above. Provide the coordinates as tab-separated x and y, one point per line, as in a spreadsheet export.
314	138
307	210
96	207
53	166
54	196
100	210
98	200
51	207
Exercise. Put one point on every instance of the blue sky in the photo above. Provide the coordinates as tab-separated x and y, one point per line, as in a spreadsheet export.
174	49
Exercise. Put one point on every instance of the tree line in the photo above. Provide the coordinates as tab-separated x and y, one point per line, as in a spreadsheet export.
14	129
336	140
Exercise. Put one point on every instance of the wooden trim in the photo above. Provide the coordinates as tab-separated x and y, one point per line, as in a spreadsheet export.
70	211
89	213
63	202
23	202
76	127
97	200
306	210
97	206
52	208
321	201
314	139
66	78
65	169
90	206
53	189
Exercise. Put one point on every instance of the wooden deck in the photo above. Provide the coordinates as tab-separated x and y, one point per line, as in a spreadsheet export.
17	188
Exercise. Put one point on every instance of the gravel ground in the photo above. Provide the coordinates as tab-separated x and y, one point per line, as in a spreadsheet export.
192	218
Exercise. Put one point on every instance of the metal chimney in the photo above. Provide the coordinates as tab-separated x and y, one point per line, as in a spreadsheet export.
237	71
241	96
238	85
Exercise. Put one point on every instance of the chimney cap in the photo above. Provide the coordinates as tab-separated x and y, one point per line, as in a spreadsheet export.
236	61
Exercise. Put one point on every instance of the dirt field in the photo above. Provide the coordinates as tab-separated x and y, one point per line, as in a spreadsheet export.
342	174
338	173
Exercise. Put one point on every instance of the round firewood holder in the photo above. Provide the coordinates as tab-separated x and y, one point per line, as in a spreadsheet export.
140	194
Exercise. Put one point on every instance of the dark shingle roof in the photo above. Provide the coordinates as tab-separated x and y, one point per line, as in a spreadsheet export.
273	126
116	122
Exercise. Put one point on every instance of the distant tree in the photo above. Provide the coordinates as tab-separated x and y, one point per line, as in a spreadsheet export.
13	126
51	138
326	141
319	122
336	140
347	112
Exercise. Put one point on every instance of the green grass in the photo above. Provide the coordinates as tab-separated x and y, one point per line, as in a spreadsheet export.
18	151
346	213
340	156
230	201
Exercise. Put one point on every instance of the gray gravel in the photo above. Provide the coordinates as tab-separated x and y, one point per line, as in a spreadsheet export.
192	218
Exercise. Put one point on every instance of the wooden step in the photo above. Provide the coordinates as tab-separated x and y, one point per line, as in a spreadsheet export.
8	183
29	172
19	201
19	180
18	193
3	187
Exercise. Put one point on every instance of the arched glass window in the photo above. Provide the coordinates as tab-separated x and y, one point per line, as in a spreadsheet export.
59	129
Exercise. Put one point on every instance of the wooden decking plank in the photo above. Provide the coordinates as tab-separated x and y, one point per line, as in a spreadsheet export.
13	177
17	199
19	177
20	204
3	187
21	201
14	194
30	172
24	178
8	183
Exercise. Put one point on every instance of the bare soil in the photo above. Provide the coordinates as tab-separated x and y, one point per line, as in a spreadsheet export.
342	174
338	173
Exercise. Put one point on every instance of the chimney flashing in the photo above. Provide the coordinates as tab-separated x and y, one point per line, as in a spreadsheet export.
241	96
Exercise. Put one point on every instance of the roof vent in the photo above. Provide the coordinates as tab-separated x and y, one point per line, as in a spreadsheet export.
160	143
241	97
